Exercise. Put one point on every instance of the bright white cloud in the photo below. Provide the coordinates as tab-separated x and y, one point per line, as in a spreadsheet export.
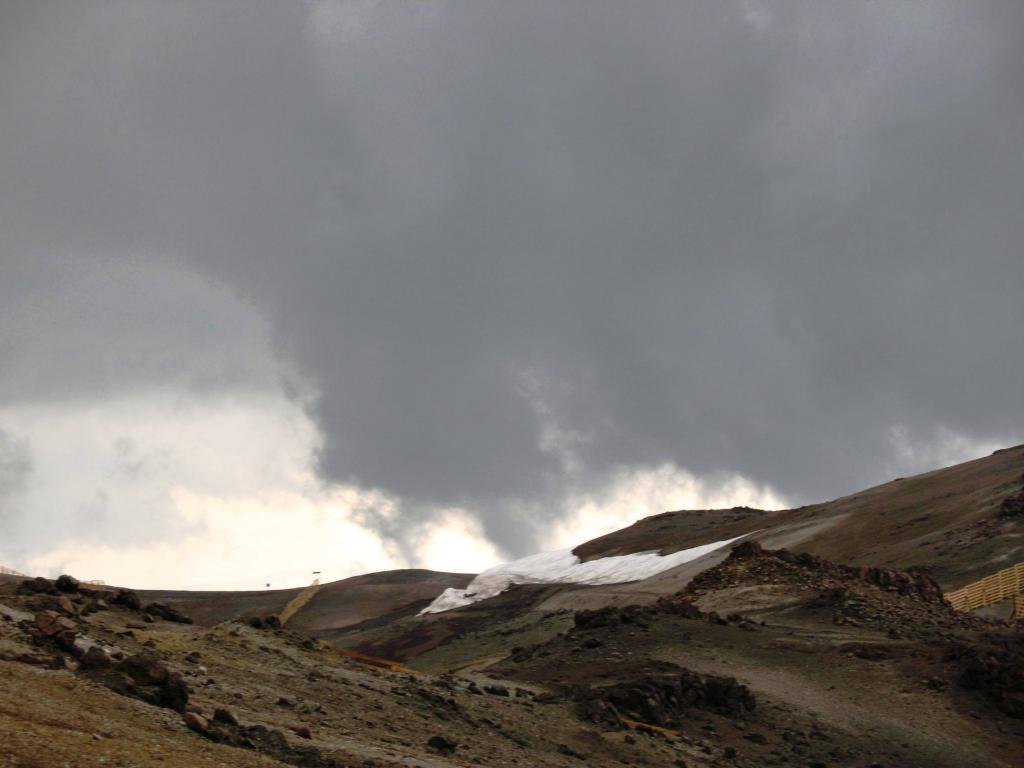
238	543
164	491
455	542
634	493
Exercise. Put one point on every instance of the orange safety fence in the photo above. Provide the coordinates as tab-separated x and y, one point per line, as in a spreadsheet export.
637	725
374	661
999	586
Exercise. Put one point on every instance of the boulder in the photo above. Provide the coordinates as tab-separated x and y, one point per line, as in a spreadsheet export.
746	549
67	583
95	658
226	716
127	599
64	605
145	677
442	745
196	722
145	669
51	624
37	586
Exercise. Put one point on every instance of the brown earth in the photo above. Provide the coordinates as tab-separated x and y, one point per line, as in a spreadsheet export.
837	651
948	520
54	709
336	604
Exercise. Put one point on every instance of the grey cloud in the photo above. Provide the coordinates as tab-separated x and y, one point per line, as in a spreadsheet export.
16	468
15	464
82	327
753	237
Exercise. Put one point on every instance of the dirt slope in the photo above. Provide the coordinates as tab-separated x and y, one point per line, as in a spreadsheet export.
368	597
337	604
946	520
295	702
745	657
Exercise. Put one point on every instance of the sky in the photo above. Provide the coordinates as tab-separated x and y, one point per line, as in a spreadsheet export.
355	285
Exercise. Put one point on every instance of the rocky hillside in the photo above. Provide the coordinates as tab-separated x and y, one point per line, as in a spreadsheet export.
811	642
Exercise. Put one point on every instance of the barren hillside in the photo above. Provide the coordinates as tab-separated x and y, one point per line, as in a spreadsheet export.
821	639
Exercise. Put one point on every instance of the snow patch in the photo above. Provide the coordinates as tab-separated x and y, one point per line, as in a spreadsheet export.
563	567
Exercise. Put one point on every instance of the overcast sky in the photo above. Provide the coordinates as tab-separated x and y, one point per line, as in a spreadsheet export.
346	286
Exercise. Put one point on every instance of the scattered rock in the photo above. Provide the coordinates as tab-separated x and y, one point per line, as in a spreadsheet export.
223	728
995	669
611	616
265	622
907	603
60	629
663	700
1012	506
167	613
442	745
51	623
143	676
36	586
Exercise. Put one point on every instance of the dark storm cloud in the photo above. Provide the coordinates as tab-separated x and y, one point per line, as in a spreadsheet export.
754	237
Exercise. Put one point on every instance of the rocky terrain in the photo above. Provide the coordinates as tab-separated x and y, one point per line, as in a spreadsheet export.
774	651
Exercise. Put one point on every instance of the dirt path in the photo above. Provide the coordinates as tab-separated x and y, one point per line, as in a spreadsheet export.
297	602
879	702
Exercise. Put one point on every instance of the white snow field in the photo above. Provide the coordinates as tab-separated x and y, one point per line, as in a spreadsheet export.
563	567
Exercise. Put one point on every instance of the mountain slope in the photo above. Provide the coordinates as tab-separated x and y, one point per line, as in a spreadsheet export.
946	519
807	644
336	604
